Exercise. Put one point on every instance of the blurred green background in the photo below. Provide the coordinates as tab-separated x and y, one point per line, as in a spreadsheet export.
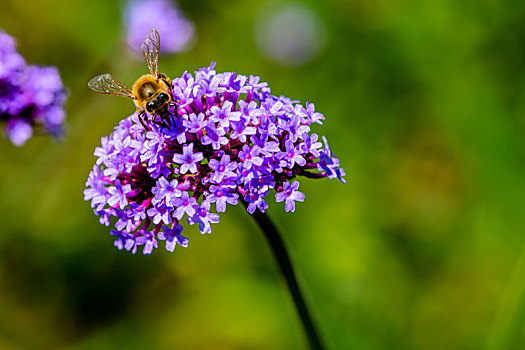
423	248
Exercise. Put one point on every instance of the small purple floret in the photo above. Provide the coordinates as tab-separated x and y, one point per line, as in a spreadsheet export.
223	169
290	195
166	191
173	237
188	159
118	194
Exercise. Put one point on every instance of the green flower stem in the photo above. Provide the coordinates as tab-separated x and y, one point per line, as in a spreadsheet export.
285	265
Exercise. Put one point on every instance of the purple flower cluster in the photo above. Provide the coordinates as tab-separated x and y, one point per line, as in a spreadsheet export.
176	30
225	140
31	97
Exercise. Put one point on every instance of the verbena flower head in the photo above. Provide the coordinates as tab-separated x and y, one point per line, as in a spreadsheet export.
31	97
226	139
176	30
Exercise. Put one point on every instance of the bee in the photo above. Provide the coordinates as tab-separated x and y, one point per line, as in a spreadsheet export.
151	93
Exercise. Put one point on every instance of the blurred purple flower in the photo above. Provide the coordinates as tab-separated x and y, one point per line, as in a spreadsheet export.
176	31
31	97
152	181
289	33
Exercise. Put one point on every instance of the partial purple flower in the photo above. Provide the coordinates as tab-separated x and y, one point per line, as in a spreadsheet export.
173	237
160	213
223	169
185	205
19	130
117	194
289	33
166	191
214	136
256	200
195	123
176	30
223	115
124	240
188	159
250	155
31	97
293	155
329	164
203	217
289	194
148	240
220	196
311	115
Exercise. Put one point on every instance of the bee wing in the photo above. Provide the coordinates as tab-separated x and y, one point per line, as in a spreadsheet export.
150	49
106	84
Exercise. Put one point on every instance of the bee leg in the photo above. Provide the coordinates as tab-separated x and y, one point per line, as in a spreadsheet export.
174	103
166	80
165	117
142	119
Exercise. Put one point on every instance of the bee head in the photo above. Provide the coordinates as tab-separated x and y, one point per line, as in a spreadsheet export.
150	106
163	97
